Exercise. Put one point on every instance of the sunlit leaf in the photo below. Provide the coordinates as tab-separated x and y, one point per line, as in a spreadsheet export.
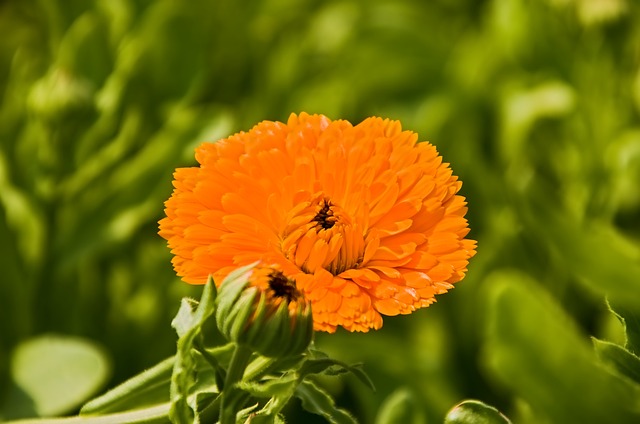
535	350
624	361
316	400
58	373
148	388
401	407
475	412
630	318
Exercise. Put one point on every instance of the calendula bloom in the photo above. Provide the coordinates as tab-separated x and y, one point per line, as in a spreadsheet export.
366	220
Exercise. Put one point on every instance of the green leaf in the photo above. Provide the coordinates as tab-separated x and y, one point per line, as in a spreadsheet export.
147	388
273	407
267	419
401	407
604	259
269	388
84	49
535	350
184	319
244	415
624	361
156	414
57	373
331	366
317	401
188	324
475	412
630	318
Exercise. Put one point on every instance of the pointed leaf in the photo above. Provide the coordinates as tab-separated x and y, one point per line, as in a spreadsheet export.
317	401
276	404
624	361
475	412
630	318
183	379
156	414
270	388
184	319
147	388
331	366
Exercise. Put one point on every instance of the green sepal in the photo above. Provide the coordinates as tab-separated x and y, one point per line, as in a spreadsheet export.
278	334
242	312
305	333
475	412
317	401
256	332
226	303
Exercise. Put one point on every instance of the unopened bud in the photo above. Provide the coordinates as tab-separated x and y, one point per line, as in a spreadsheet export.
262	308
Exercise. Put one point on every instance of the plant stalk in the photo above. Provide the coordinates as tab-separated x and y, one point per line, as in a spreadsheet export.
230	394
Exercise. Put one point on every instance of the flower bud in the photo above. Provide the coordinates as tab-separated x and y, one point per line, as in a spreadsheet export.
260	307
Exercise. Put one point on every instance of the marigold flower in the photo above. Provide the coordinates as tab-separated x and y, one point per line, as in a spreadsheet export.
364	218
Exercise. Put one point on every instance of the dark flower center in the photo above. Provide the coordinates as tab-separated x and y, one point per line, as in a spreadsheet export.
283	287
325	217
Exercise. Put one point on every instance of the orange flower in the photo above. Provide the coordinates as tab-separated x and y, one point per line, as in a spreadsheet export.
365	219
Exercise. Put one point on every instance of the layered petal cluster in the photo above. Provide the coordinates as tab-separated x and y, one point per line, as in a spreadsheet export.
364	218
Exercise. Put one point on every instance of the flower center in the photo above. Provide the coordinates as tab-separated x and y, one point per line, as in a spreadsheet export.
325	217
283	287
319	234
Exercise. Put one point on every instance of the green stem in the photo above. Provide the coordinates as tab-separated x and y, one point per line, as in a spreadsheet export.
230	394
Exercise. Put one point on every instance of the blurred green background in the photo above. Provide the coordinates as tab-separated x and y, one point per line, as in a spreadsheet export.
536	104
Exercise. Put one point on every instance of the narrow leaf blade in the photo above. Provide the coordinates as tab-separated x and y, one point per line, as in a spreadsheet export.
317	401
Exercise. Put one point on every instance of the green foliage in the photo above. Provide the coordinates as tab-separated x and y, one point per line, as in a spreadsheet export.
54	374
202	384
318	401
532	342
475	412
401	407
535	104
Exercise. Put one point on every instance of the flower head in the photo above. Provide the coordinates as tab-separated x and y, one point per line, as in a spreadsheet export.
365	219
